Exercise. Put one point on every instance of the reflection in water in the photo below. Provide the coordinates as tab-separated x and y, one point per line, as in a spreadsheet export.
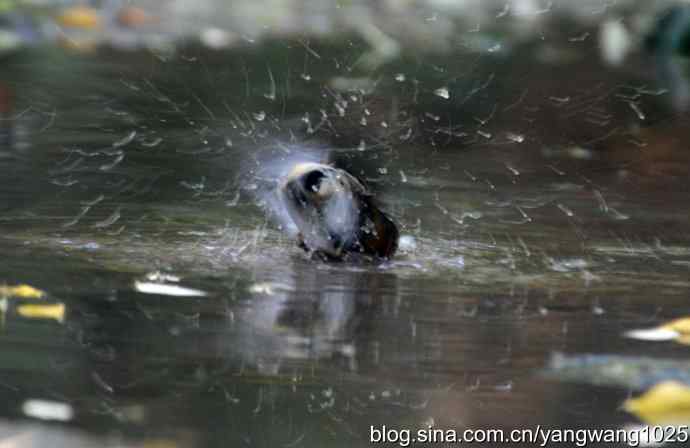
635	373
269	354
298	317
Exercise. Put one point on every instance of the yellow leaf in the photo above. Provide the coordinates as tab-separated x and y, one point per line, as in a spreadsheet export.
681	325
79	17
55	311
666	403
683	339
21	291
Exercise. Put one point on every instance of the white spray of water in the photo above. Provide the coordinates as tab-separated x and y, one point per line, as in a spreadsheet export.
338	214
273	167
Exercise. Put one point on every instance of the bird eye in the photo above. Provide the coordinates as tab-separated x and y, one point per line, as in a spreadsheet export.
312	180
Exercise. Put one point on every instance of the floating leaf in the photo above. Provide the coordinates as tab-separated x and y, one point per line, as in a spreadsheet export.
681	325
666	403
48	410
54	311
21	291
652	334
158	276
167	290
268	288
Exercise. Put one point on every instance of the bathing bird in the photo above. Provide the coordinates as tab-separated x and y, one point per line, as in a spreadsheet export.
335	214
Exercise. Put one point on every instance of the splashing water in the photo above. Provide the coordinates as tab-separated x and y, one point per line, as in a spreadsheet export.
274	168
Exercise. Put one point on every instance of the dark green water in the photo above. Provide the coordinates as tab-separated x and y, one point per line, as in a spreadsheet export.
540	215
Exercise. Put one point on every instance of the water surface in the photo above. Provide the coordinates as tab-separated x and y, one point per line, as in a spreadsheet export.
544	209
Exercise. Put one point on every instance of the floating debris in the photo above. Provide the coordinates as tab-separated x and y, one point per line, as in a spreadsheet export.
48	410
664	404
268	288
167	290
53	311
158	276
21	291
652	334
580	153
676	330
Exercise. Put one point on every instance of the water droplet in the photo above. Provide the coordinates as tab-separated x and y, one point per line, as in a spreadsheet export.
495	48
407	243
443	93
